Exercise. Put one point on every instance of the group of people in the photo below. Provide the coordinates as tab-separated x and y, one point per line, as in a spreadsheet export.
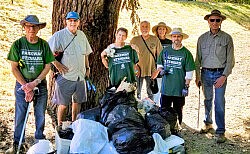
161	56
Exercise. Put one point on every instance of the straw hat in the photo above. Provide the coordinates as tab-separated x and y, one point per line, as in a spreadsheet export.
161	24
177	31
215	13
32	19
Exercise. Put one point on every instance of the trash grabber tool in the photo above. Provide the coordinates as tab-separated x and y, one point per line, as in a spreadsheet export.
24	125
25	121
198	120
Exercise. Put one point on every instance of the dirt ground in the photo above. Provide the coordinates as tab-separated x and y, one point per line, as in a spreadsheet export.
237	94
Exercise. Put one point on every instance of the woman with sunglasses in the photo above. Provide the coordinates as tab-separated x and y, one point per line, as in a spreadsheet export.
214	63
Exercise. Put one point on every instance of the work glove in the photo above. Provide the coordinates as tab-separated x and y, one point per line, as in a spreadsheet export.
162	72
185	90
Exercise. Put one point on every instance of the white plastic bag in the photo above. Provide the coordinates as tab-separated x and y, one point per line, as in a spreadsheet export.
163	146
89	137
42	147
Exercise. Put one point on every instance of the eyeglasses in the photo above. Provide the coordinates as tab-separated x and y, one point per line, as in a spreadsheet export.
33	26
73	20
213	20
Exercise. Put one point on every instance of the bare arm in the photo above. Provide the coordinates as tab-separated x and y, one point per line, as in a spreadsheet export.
87	66
15	70
104	59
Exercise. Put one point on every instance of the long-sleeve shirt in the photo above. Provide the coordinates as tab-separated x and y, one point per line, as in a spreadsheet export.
215	51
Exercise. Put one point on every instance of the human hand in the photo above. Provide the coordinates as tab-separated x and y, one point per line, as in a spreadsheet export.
61	68
185	90
87	72
220	81
137	71
135	47
29	96
29	86
155	74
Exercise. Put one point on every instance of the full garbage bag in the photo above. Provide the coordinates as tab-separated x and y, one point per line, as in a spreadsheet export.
170	116
128	130
157	124
43	146
111	99
90	137
91	114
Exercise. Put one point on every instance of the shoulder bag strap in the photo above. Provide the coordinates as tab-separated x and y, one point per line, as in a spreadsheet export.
149	50
69	43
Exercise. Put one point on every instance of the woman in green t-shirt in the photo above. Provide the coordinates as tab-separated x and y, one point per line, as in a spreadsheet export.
120	58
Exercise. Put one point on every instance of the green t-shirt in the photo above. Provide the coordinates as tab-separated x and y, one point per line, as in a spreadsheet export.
31	57
176	63
122	65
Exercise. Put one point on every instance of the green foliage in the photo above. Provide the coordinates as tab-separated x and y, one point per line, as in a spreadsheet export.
228	1
133	5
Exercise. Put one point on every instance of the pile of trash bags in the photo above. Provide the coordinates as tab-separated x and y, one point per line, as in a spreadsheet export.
122	124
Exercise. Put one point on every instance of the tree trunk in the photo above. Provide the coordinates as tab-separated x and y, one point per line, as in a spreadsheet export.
98	20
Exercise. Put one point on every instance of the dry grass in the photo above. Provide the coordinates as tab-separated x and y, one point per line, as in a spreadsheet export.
189	16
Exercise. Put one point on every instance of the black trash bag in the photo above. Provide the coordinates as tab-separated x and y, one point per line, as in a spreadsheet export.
170	115
91	114
128	130
111	99
133	140
123	116
66	134
157	124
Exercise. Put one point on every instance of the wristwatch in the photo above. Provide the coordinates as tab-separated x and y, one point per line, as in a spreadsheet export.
38	81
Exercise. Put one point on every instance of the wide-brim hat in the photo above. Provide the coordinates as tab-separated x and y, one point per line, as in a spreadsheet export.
32	19
161	24
215	13
176	31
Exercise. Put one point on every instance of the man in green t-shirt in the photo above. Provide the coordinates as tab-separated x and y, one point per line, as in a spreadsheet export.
30	58
176	64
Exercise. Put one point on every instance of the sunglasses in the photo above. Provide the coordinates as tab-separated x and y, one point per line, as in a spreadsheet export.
213	20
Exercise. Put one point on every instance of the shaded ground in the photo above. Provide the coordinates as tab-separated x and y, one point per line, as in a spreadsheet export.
237	94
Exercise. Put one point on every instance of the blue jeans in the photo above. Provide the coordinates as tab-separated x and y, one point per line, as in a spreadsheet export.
208	78
21	106
139	87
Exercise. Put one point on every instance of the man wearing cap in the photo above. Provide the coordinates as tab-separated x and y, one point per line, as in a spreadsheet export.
176	65
161	30
30	58
149	49
74	67
214	63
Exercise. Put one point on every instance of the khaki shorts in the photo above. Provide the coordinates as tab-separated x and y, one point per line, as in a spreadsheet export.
67	91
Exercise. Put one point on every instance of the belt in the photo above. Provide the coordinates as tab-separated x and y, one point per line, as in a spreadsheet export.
213	69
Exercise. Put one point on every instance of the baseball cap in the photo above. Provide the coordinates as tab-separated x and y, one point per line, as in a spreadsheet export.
72	15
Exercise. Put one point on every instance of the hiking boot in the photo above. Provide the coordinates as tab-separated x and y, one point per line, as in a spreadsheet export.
14	148
207	128
221	138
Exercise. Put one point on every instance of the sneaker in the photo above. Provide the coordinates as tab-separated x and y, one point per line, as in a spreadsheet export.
14	148
221	138
207	128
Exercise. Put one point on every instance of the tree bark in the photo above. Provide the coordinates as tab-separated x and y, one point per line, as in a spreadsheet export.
98	20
